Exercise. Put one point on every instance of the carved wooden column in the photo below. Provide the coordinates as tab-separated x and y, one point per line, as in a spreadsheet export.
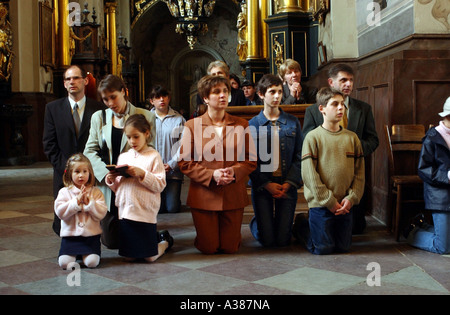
256	64
110	10
290	35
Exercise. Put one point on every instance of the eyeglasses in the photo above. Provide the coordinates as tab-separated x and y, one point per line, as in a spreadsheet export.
72	78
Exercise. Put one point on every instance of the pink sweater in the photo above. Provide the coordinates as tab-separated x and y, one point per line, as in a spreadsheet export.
83	220
140	200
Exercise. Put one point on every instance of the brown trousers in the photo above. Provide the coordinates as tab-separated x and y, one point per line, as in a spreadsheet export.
218	231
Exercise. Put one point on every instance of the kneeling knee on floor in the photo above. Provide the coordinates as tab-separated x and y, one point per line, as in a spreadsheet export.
91	261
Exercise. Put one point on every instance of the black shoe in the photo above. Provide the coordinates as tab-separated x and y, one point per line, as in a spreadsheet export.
165	236
417	220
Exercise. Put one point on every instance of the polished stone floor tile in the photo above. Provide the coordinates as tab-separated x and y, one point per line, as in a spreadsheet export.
69	285
11	257
250	269
414	277
314	281
191	282
29	250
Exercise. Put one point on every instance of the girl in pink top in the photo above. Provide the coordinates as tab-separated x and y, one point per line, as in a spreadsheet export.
80	206
138	195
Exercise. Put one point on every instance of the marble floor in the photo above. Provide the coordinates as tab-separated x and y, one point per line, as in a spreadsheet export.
29	248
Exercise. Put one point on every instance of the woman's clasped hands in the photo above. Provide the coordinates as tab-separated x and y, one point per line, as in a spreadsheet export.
224	176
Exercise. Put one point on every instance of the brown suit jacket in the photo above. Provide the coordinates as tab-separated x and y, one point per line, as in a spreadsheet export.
202	152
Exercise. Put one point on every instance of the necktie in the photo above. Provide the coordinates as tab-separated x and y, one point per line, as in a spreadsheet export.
344	120
76	119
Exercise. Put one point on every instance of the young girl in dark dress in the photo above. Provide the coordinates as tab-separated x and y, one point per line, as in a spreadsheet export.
138	194
80	206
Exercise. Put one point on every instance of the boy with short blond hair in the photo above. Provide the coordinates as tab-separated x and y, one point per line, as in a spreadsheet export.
333	176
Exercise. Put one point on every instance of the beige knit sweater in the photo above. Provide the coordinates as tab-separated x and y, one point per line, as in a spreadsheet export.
332	167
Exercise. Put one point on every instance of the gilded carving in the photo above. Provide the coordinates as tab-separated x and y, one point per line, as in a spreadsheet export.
322	7
74	37
6	54
209	7
173	8
241	25
278	51
138	5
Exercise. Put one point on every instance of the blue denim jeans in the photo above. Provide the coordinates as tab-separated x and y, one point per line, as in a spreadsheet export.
273	228
433	238
170	197
328	233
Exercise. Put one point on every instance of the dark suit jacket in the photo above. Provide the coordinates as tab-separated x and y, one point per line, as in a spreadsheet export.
60	140
307	96
360	121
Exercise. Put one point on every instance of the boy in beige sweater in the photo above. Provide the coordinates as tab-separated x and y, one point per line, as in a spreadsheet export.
333	176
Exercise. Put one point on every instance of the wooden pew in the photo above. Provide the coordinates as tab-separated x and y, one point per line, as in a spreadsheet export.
249	112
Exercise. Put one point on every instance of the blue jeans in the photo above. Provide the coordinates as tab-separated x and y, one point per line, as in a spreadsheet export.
328	233
170	197
433	238
269	228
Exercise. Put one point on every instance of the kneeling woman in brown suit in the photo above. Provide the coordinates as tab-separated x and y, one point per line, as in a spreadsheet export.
217	153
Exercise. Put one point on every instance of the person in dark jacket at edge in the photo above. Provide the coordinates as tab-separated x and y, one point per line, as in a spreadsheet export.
434	169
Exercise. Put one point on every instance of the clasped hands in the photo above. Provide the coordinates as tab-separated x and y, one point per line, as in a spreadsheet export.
224	176
342	208
83	196
278	190
296	89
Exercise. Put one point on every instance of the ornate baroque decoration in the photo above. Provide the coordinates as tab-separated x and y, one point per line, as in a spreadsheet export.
278	52
241	25
191	16
6	53
321	11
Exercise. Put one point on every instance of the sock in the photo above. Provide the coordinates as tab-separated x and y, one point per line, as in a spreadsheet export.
65	260
91	261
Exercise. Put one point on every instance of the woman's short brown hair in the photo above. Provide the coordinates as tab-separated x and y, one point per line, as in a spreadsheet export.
289	64
112	83
205	84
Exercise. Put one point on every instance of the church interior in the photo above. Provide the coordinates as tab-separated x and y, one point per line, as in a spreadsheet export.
400	53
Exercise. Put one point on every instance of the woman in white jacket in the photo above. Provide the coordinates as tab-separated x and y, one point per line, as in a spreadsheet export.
80	206
107	141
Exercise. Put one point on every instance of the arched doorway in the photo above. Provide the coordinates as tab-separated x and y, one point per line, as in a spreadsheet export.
186	69
165	58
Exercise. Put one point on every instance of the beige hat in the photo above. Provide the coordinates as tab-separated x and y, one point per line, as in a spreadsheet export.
446	111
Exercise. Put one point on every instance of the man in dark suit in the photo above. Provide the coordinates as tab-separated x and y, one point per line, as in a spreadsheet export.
359	119
66	126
